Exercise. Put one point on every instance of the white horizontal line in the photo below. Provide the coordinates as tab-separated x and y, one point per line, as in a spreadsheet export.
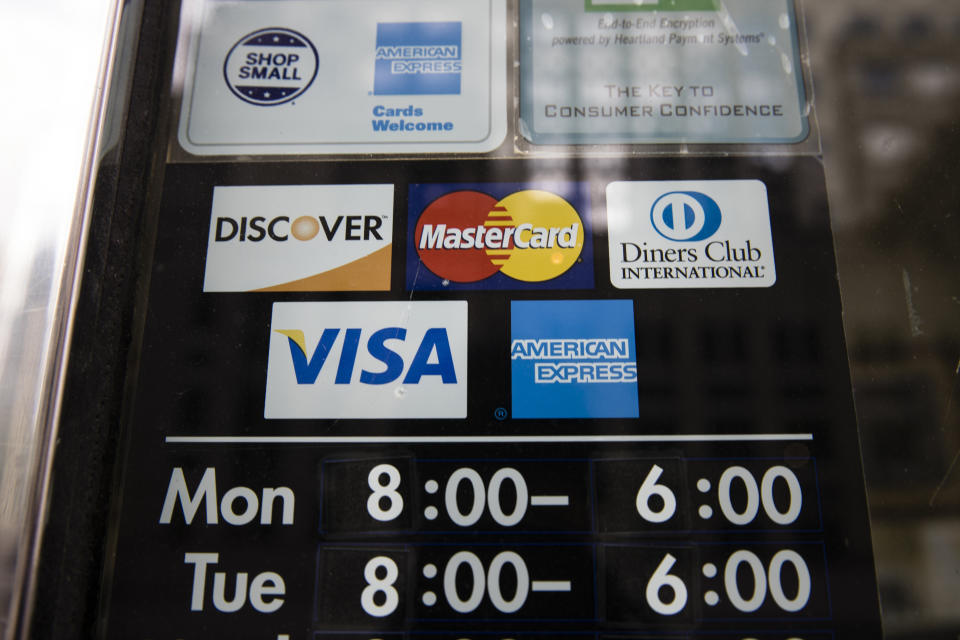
743	437
550	585
549	501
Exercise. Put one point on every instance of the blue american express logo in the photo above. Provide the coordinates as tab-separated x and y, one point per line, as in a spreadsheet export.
418	58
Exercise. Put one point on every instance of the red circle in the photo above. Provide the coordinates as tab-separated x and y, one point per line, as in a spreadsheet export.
460	210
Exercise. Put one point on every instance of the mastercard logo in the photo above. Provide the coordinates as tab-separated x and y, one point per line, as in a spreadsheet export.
530	235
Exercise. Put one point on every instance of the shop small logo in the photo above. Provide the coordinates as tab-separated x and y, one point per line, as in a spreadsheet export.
497	237
685	216
270	66
418	58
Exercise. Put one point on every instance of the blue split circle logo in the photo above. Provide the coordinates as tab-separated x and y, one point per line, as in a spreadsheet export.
271	66
685	216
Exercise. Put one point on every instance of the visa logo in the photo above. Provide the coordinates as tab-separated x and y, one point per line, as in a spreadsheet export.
432	358
375	360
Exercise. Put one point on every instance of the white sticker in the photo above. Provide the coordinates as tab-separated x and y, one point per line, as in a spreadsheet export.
367	360
345	76
698	71
300	238
704	234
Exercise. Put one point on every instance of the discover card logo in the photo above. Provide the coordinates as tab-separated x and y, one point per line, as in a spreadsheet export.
573	359
690	234
300	238
367	360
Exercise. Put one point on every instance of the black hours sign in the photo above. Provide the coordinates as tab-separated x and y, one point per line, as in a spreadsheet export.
604	457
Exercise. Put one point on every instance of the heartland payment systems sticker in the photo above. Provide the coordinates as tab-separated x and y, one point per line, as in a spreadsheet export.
346	76
690	235
367	360
696	71
300	238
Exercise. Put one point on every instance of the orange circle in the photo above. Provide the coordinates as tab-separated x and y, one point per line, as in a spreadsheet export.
305	228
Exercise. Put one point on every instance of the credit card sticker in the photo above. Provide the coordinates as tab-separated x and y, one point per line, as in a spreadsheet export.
300	238
392	76
573	359
499	236
690	234
694	71
371	360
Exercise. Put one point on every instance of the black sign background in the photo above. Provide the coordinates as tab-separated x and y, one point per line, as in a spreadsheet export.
709	362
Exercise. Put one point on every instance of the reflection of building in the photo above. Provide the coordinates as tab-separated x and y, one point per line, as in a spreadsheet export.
888	99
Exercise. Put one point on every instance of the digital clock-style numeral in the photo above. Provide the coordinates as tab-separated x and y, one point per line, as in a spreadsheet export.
380	597
491	498
764	579
492	495
648	585
486	583
458	635
366	495
757	495
566	635
763	635
384	480
662	580
767	580
357	635
362	586
502	635
380	587
650	492
783	635
639	495
497	582
402	494
643	495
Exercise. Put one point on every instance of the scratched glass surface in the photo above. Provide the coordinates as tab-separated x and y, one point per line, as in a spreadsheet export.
887	79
